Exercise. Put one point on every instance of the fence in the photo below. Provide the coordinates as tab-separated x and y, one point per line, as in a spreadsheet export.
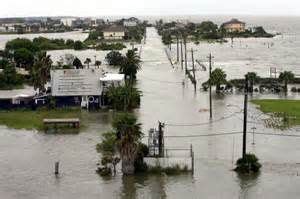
184	158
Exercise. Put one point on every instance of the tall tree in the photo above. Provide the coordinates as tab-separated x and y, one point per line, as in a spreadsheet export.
77	63
217	78
286	77
23	58
87	62
124	98
131	65
129	135
9	77
98	63
40	72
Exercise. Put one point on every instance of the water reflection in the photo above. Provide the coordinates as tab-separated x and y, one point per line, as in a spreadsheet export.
134	187
246	182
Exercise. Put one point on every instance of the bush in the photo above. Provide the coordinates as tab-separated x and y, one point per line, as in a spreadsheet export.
104	171
139	164
124	97
114	58
294	89
173	170
113	46
78	45
249	164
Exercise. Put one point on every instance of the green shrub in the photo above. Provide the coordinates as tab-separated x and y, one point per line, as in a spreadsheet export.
78	45
113	46
249	164
104	171
173	170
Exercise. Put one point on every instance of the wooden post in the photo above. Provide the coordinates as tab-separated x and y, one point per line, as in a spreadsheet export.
194	74
185	54
192	158
181	52
177	40
210	97
56	172
160	139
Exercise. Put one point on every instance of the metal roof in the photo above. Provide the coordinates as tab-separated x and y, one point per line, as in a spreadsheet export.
233	21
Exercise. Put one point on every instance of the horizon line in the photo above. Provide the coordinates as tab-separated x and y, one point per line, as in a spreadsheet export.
156	15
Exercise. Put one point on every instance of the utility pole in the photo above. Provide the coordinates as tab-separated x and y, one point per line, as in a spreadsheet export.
193	64
56	172
177	48
181	55
210	97
245	117
185	54
161	139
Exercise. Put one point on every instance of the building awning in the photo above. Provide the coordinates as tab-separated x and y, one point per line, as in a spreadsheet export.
109	77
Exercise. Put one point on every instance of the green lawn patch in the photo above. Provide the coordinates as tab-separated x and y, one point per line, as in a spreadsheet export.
29	119
286	112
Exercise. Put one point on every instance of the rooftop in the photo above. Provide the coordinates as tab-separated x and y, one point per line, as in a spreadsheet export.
234	21
17	93
114	28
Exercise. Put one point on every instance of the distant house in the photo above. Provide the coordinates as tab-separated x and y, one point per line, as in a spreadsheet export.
131	22
100	22
114	32
234	25
17	98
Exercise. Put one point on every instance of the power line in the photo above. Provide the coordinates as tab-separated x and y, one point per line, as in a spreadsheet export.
162	81
204	123
203	135
229	133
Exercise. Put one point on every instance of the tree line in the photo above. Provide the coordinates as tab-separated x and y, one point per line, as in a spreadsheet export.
204	31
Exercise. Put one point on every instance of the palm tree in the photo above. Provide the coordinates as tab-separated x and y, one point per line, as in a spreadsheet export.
131	65
124	98
217	78
98	63
286	77
128	135
87	62
77	63
252	77
40	72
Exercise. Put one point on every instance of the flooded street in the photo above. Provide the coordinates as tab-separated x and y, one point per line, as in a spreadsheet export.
27	157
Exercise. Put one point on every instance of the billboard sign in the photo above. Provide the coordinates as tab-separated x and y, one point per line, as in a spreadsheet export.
76	82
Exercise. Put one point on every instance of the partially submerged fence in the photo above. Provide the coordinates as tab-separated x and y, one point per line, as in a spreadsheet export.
182	157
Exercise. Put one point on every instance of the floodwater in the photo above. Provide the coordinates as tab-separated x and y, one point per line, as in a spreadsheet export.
27	157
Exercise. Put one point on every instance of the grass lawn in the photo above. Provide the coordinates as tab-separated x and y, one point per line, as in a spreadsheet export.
28	119
291	108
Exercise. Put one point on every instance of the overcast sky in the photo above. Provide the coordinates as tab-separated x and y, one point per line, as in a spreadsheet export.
13	8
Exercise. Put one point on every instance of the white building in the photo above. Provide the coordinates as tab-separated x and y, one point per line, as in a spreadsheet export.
110	79
114	33
128	23
67	21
